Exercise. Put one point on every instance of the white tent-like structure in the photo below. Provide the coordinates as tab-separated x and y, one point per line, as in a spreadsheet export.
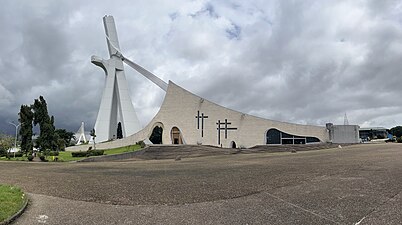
80	135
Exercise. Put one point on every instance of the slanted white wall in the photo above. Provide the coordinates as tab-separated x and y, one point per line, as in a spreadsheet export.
180	107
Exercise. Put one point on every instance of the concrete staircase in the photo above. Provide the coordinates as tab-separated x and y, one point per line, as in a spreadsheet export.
190	151
290	148
182	151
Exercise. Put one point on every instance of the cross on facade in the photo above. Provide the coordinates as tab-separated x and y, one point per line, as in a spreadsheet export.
225	128
202	117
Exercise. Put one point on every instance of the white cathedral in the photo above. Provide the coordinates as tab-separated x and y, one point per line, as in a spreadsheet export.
185	118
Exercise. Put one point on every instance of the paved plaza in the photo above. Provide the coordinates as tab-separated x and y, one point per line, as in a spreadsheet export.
359	184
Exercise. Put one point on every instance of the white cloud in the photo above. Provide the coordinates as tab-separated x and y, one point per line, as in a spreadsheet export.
304	61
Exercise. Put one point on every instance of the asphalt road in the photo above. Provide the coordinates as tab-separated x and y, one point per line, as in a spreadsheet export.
358	184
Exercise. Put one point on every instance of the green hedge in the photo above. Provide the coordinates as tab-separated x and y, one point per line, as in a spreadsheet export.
11	154
95	152
87	153
78	154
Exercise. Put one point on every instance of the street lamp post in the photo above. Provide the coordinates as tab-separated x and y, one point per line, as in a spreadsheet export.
16	135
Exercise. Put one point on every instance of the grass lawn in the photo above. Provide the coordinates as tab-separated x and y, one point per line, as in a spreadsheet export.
130	148
66	156
11	201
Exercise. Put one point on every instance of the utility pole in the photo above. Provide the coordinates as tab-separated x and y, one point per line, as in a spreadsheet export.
16	135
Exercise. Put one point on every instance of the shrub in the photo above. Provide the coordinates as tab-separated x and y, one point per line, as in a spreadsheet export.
399	140
95	152
30	158
17	154
79	154
87	153
53	153
43	158
90	148
141	143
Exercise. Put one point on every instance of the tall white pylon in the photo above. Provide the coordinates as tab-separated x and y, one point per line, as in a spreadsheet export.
116	105
81	133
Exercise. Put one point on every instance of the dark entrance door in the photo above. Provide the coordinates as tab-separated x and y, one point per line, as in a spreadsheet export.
156	136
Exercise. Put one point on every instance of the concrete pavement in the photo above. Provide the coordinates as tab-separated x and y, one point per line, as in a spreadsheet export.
354	185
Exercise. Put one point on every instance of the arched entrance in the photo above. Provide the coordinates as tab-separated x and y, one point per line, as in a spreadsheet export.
273	137
176	136
233	144
156	136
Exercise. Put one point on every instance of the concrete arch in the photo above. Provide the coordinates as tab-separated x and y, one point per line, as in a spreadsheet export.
159	139
233	144
176	136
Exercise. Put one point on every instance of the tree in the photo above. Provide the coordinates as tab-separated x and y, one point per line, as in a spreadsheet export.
61	144
6	142
26	118
47	139
93	135
53	136
65	135
41	115
396	131
119	131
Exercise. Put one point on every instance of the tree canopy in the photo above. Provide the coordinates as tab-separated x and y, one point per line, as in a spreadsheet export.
47	139
6	142
65	135
396	131
26	119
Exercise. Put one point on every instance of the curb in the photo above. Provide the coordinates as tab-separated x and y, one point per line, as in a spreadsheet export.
17	214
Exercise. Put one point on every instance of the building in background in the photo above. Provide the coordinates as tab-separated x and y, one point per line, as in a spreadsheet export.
370	133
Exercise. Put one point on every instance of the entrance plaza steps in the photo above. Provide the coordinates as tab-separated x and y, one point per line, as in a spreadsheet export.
155	152
183	151
164	152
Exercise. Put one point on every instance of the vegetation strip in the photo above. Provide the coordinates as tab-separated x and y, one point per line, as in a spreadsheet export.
63	156
13	202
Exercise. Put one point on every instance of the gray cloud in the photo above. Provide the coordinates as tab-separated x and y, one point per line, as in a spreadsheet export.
296	61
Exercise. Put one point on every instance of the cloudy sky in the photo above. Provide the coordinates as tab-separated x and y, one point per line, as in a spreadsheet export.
307	62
